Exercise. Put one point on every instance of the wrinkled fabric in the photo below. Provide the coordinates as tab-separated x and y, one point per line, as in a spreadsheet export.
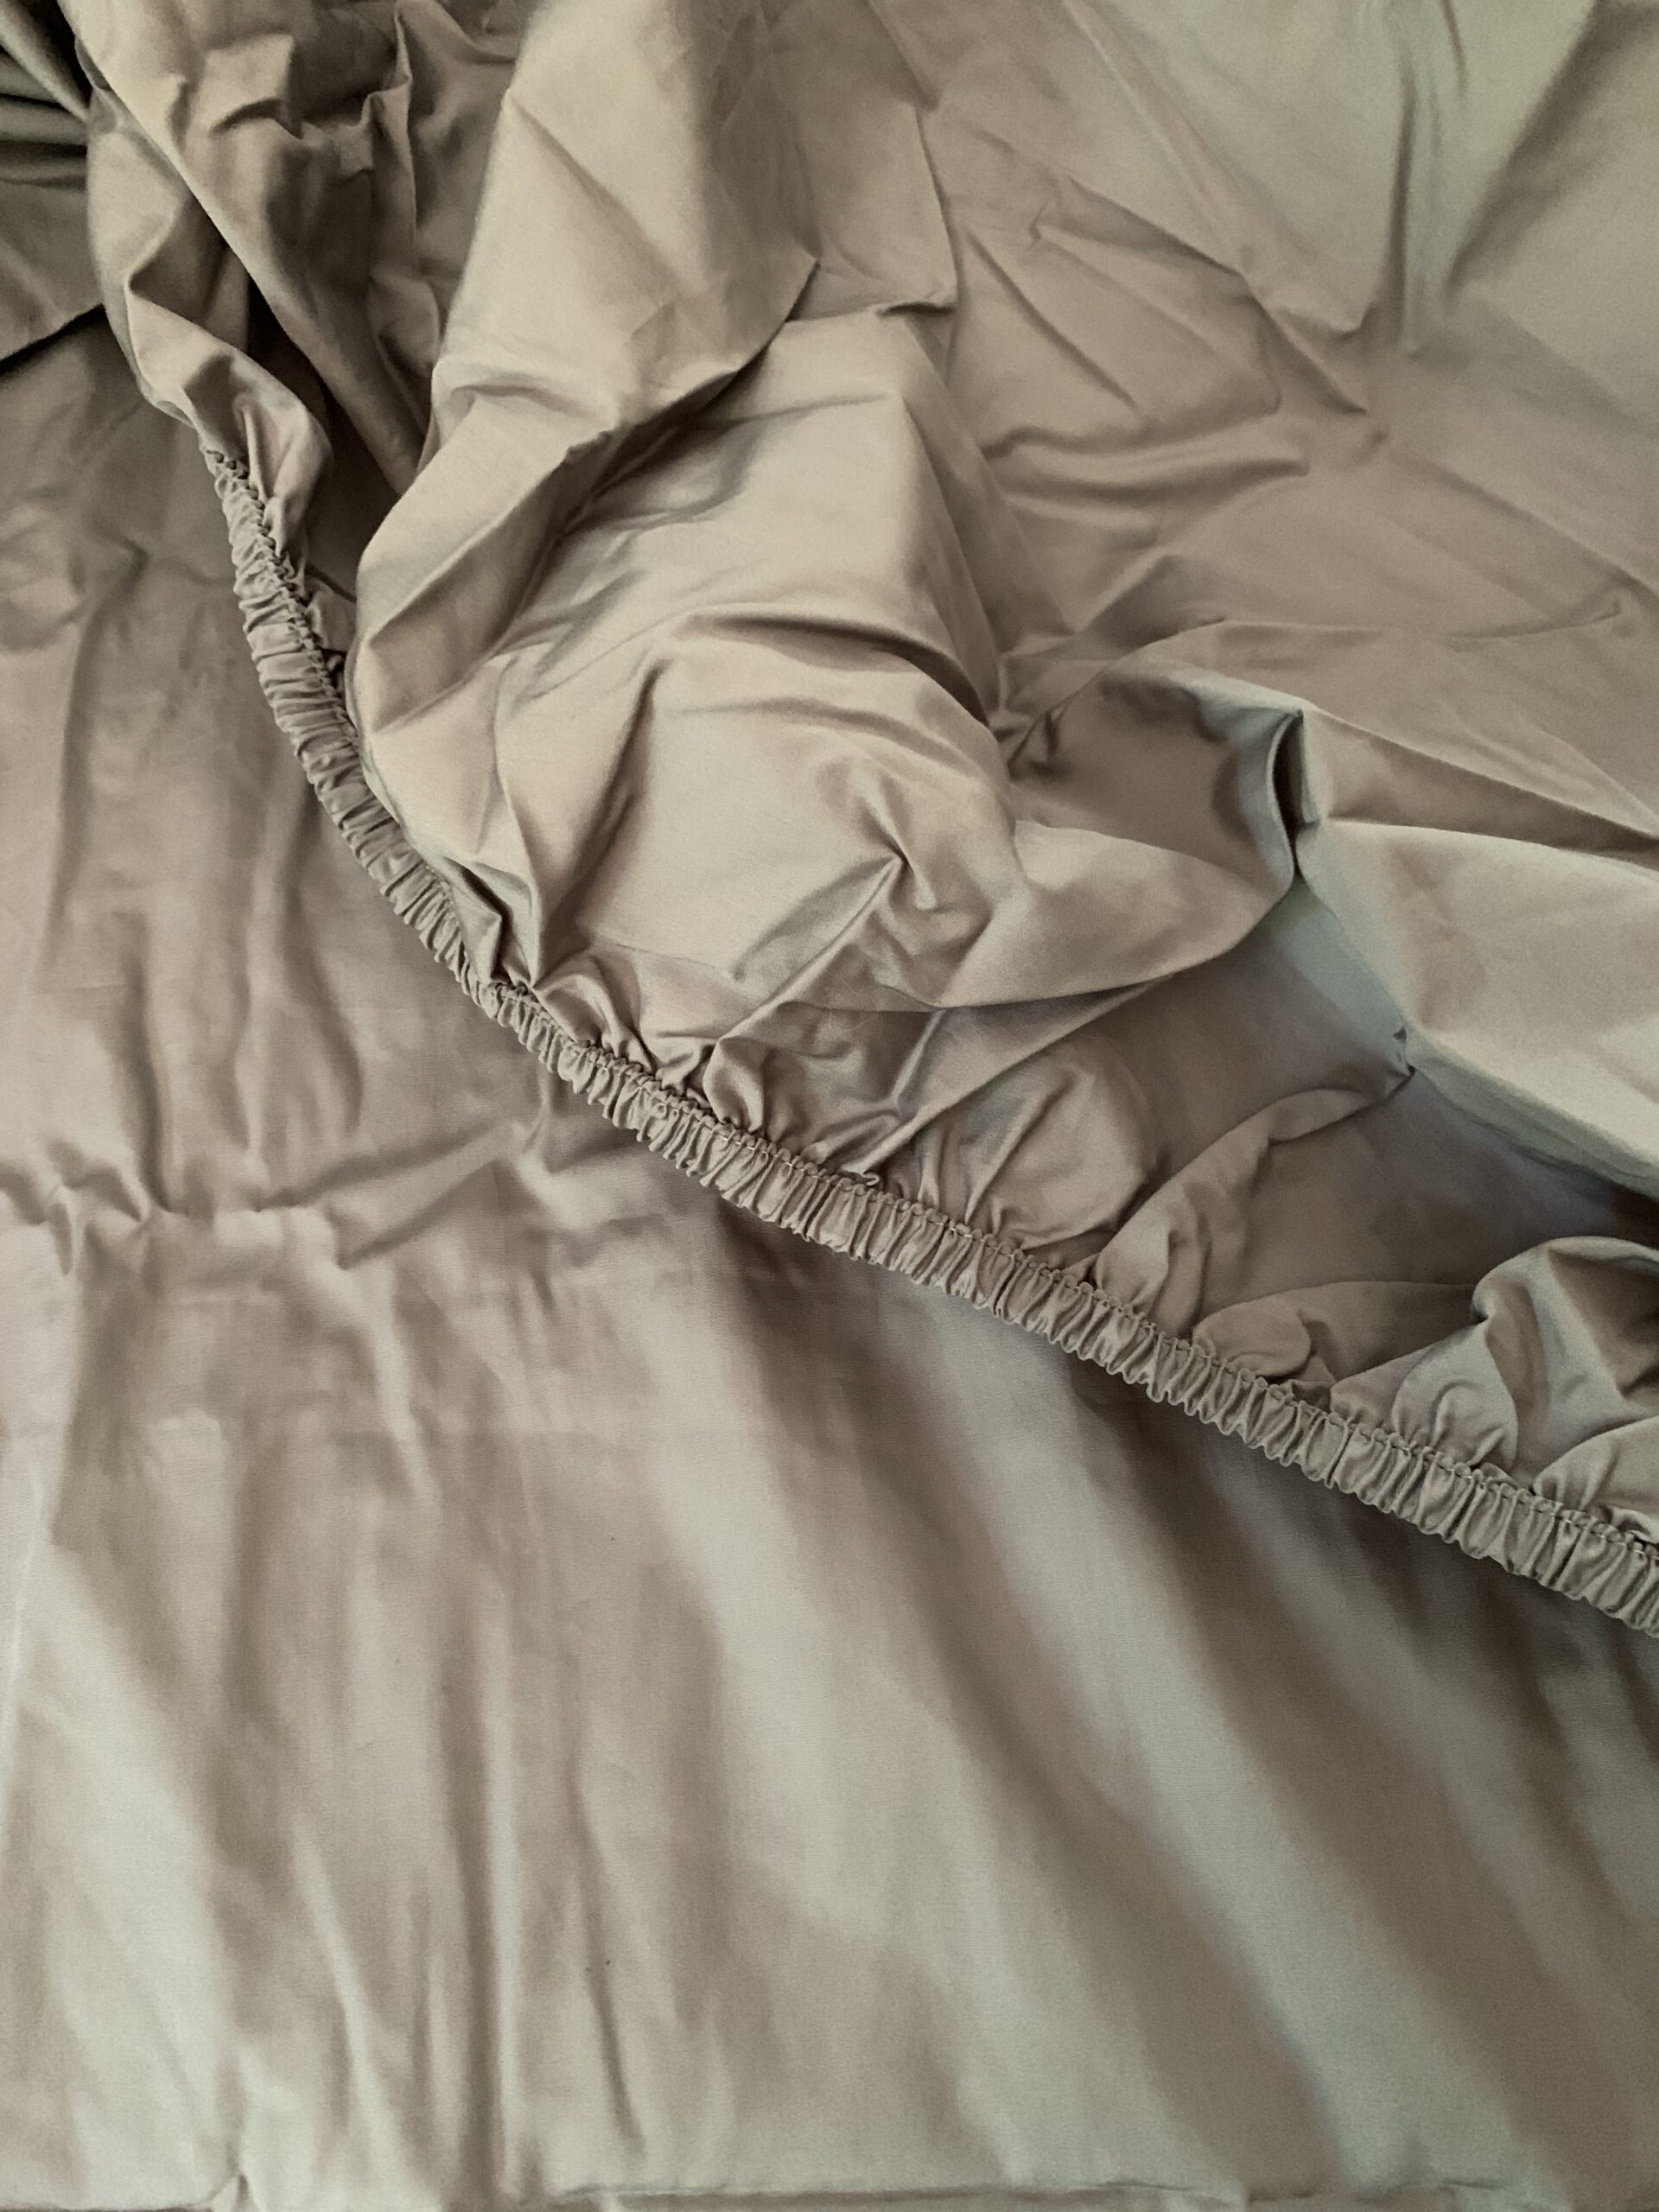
1017	639
47	277
910	590
523	1684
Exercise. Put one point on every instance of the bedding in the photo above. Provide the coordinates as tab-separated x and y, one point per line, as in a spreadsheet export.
832	972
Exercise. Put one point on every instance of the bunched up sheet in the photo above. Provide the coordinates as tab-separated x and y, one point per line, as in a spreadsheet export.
1011	639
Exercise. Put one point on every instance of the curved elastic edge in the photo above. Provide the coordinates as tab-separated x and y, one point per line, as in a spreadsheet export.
1475	1508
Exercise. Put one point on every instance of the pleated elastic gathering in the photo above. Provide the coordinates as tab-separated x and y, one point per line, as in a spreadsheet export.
1477	1507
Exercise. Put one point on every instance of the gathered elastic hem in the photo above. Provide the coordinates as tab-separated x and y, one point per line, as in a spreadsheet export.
1477	1507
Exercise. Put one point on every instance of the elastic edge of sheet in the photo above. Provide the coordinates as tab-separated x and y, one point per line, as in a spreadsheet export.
1476	1508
